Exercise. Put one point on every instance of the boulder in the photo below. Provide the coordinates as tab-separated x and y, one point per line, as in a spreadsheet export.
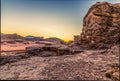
101	24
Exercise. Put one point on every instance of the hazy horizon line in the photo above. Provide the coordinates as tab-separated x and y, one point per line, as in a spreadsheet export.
40	36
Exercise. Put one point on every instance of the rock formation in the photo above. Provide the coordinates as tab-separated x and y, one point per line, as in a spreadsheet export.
101	24
51	50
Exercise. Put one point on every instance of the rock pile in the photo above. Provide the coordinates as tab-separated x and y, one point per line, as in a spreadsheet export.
101	24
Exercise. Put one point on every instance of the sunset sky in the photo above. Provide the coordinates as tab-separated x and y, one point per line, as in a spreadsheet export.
48	18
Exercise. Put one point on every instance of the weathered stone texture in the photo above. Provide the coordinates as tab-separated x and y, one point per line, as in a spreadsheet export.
101	24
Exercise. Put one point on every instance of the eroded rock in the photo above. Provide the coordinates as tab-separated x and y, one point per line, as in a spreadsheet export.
101	24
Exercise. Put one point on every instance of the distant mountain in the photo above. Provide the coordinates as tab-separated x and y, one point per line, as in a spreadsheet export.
11	36
54	39
30	37
36	38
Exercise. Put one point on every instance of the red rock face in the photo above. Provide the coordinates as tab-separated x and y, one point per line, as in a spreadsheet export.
102	24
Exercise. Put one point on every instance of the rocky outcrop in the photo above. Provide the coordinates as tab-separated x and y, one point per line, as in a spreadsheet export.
101	24
51	50
47	50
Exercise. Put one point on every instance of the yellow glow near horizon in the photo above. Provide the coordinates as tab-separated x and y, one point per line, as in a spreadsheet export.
43	25
47	18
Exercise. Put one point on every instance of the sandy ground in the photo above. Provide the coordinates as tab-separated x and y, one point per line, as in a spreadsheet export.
87	65
16	47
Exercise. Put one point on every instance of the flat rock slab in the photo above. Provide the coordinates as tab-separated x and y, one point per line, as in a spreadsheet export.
58	49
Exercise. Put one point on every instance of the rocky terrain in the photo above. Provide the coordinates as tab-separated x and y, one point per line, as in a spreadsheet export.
94	55
87	65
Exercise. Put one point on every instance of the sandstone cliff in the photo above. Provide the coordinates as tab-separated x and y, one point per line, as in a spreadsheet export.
101	24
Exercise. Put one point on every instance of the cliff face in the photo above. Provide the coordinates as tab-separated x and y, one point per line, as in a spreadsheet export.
101	24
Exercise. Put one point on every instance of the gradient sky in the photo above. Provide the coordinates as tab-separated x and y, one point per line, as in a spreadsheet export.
48	18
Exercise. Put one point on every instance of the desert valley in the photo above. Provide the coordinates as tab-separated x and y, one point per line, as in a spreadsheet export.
92	55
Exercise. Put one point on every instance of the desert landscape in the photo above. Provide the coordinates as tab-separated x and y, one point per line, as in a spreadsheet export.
92	55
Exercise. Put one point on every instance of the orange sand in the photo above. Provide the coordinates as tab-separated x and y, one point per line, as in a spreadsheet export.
16	47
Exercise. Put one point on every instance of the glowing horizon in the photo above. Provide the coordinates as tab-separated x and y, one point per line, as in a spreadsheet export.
47	18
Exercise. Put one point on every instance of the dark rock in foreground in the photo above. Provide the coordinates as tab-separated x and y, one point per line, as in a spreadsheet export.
51	50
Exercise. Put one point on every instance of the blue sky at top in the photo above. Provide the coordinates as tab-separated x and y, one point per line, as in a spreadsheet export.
58	18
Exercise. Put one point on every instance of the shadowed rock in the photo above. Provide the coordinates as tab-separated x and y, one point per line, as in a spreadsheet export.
58	49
